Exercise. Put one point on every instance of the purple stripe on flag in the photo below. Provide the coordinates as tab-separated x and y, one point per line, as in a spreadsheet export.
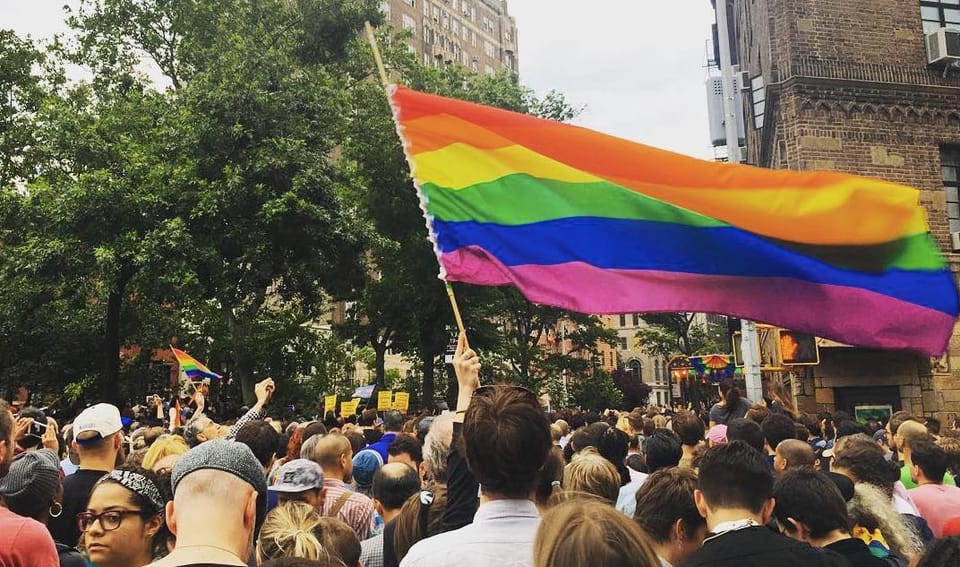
844	314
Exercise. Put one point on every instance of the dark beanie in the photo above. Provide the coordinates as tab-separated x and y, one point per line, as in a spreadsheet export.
32	482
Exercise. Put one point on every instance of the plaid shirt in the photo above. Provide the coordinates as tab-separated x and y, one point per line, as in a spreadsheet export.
251	415
371	551
358	511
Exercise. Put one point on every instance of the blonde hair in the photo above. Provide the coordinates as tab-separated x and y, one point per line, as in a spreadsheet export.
660	421
593	474
165	447
581	532
780	395
290	531
872	509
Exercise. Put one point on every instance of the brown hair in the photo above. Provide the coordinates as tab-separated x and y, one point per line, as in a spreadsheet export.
665	497
294	444
952	447
591	473
580	532
863	458
338	539
689	428
410	524
757	413
506	440
550	477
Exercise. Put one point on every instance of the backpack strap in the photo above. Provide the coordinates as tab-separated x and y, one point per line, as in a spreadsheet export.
338	505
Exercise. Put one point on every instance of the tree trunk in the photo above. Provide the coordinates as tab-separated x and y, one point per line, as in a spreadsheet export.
380	348
427	388
110	381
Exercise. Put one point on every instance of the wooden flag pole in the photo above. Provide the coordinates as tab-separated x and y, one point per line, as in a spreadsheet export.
385	81
372	38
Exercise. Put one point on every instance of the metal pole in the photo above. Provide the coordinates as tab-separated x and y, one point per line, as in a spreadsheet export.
748	329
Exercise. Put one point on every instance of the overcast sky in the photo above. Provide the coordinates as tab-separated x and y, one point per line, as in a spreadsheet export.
637	65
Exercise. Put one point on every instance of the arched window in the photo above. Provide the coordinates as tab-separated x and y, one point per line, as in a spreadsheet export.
636	370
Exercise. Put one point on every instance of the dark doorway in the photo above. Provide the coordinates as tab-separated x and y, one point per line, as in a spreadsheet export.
848	398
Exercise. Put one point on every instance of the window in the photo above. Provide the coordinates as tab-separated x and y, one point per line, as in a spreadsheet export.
410	24
623	320
636	371
950	165
412	3
940	14
489	49
759	96
657	377
385	9
636	320
623	343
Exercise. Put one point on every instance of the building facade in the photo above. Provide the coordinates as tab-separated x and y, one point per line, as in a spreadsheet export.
846	85
479	35
631	358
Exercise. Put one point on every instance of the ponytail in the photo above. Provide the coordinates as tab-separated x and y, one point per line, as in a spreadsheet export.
731	395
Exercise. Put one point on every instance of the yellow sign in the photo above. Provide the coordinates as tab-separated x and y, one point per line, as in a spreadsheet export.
401	402
385	400
349	408
330	403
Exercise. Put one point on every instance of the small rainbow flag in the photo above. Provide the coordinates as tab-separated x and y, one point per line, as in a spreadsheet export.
192	368
596	224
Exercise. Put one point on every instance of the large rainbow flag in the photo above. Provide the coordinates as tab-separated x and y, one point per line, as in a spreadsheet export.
192	368
596	224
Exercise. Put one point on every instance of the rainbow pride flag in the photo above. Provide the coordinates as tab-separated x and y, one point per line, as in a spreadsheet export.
592	223
192	368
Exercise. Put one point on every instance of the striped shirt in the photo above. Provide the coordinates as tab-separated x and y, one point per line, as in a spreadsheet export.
358	511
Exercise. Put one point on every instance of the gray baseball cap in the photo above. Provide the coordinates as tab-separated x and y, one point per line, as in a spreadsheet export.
298	475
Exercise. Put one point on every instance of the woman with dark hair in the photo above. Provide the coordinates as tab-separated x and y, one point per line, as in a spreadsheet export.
613	446
123	524
732	404
32	489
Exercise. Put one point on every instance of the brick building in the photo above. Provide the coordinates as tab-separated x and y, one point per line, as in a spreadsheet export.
846	85
477	34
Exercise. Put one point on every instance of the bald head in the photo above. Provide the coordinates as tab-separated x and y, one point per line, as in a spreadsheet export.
334	453
793	453
213	497
910	431
393	484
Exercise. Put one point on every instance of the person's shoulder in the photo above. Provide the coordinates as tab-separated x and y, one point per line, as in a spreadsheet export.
430	551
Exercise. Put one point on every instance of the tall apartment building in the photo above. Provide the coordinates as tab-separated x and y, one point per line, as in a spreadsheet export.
480	35
848	85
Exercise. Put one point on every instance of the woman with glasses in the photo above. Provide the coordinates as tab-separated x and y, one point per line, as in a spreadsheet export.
123	525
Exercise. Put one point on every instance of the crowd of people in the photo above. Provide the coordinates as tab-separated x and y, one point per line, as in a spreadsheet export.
497	482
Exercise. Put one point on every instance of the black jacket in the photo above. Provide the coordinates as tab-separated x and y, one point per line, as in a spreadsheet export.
760	547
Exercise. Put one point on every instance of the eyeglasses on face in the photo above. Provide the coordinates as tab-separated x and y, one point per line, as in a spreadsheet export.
109	520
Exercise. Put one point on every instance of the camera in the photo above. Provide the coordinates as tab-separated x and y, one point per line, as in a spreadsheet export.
38	428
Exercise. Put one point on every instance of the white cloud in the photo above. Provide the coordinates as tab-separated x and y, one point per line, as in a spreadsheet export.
638	65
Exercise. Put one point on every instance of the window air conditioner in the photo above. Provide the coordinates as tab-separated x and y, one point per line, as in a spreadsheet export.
955	241
943	46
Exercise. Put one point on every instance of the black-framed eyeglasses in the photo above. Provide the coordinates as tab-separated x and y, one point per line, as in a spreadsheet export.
109	520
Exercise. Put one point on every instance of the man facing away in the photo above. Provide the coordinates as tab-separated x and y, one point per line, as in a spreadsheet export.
937	502
219	501
736	498
392	486
98	434
334	454
506	439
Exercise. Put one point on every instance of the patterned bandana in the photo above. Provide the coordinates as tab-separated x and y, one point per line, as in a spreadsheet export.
136	482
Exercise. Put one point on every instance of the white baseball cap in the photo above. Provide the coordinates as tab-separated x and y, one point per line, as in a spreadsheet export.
97	422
